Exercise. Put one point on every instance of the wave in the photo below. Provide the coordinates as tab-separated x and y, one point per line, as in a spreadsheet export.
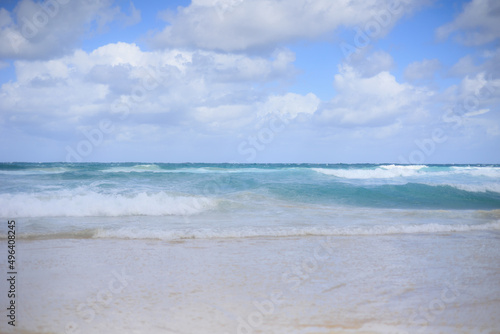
246	232
493	172
93	204
99	200
405	195
128	189
402	171
151	168
473	188
381	172
34	171
193	170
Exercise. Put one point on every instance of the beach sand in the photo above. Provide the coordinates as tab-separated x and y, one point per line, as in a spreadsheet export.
415	283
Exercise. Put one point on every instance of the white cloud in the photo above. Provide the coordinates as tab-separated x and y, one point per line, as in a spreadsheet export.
369	64
54	28
226	118
135	16
464	66
472	107
481	87
472	65
477	112
478	24
289	106
422	70
374	101
236	25
186	91
209	91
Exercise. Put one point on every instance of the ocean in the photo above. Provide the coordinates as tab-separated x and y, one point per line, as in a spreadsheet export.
252	248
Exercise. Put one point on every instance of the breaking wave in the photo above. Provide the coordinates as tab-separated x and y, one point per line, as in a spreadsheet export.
93	204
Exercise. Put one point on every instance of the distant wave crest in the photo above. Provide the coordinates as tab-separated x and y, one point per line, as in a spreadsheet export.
402	171
381	172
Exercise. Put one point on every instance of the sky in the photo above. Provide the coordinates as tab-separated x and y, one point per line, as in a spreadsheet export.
250	81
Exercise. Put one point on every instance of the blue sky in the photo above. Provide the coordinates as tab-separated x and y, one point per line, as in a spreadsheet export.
396	81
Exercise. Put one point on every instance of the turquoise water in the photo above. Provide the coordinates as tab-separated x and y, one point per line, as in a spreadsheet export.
348	248
239	200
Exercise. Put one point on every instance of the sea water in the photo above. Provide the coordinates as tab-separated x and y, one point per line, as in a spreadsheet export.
253	248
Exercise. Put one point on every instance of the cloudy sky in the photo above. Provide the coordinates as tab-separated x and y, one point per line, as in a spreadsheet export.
339	81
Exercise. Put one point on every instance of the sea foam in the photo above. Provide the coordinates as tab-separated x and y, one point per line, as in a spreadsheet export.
248	232
382	172
88	204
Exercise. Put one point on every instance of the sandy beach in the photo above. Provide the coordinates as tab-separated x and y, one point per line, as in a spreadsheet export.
445	283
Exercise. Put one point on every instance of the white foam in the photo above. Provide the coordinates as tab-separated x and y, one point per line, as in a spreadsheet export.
211	233
493	172
141	233
382	172
401	171
32	171
151	168
403	167
88	204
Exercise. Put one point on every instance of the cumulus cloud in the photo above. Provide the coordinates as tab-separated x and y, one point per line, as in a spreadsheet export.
206	82
238	25
475	95
209	90
54	27
422	70
472	107
372	101
481	85
478	24
289	106
472	65
370	64
463	67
